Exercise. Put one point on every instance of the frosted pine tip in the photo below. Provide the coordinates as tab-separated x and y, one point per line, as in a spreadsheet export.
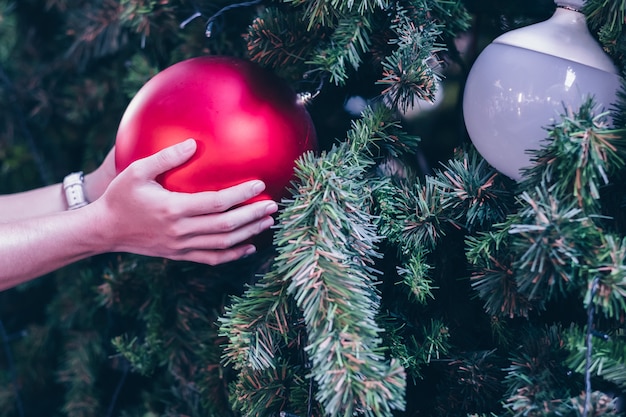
306	97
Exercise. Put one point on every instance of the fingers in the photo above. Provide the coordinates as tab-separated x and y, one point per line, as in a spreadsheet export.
216	257
229	221
217	248
226	240
166	159
196	204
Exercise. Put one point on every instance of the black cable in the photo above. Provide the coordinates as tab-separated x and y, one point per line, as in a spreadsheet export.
209	24
588	344
118	389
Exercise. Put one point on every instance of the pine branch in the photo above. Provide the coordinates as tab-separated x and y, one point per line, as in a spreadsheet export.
550	239
266	347
493	275
283	387
413	354
346	46
79	371
331	280
473	192
535	379
97	31
414	217
410	72
415	277
325	241
277	39
608	357
601	404
146	350
84	347
144	16
258	324
584	151
452	15
607	19
609	264
476	381
323	12
327	247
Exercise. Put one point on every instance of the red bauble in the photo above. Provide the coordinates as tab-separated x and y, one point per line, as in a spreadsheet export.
248	123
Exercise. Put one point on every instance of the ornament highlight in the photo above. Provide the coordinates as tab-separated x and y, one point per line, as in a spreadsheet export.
248	124
525	78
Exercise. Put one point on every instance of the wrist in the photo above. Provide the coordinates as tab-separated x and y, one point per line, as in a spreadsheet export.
74	190
96	183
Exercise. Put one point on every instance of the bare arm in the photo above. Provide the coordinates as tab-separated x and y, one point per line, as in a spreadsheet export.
135	214
51	199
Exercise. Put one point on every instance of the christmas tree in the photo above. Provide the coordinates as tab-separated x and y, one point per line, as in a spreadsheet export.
406	276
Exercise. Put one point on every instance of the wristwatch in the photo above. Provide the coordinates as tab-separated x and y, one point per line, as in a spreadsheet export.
74	187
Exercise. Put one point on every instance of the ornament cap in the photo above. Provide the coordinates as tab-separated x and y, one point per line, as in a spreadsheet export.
576	5
564	35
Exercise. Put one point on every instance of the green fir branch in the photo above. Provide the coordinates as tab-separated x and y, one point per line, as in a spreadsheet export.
580	157
83	348
452	15
278	40
608	356
473	192
607	18
415	348
144	16
326	242
79	372
147	352
477	377
346	46
600	404
323	12
550	239
492	272
415	277
413	217
535	380
410	72
141	355
327	257
8	32
618	113
257	324
609	265
283	387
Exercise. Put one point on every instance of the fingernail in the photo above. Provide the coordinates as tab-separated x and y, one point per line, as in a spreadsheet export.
271	207
188	144
267	223
258	186
250	250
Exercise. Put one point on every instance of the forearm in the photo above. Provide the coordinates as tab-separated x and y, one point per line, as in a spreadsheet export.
33	247
32	203
45	200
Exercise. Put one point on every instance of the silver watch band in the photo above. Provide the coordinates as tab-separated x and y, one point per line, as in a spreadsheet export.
73	185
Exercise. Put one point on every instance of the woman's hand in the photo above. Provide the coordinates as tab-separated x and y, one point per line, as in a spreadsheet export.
136	214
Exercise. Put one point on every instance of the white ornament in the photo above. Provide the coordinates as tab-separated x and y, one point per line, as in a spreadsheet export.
523	80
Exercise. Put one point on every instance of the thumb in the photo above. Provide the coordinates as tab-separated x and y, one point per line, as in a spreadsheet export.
167	158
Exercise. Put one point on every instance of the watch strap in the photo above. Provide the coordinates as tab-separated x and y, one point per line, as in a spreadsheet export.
74	188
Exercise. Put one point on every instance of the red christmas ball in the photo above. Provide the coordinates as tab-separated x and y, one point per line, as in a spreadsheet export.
248	124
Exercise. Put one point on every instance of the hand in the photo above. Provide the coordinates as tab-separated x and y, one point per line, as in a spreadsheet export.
136	214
